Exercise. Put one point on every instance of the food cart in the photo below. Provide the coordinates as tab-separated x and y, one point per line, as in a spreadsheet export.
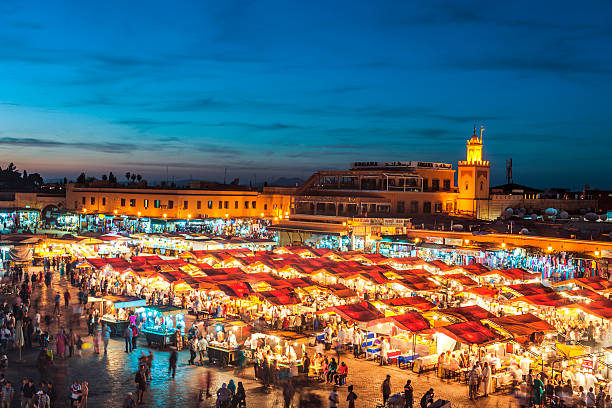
162	323
227	335
115	311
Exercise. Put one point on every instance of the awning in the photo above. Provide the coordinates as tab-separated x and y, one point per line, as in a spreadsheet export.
411	321
121	302
469	313
470	333
600	308
522	325
166	310
594	283
21	254
280	297
359	312
512	274
544	299
416	302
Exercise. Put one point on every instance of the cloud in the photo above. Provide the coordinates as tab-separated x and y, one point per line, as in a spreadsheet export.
146	124
258	126
342	90
196	104
561	64
109	147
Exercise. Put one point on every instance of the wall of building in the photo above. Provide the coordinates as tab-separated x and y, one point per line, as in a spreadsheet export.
30	200
555	244
499	203
384	204
174	203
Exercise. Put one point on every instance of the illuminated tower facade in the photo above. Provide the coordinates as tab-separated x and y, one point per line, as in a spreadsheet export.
473	180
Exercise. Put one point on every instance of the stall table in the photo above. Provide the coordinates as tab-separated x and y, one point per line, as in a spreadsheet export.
222	355
116	325
163	335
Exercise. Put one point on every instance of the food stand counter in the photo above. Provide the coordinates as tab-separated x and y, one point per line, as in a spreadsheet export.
115	311
161	324
222	353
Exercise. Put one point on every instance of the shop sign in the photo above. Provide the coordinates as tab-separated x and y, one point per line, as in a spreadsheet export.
434	240
453	241
587	364
606	253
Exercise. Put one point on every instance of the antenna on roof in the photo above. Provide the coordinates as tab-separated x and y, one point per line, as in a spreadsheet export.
482	129
509	171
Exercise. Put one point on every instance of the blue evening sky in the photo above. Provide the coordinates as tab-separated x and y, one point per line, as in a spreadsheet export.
285	88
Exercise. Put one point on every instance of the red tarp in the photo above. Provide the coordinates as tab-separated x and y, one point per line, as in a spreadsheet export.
416	302
440	265
281	297
544	299
359	312
600	308
585	293
475	269
470	313
529	289
340	290
471	333
522	325
484	291
594	283
236	289
513	274
460	278
417	283
411	321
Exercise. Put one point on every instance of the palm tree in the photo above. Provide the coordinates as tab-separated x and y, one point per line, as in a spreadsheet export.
127	176
138	177
133	177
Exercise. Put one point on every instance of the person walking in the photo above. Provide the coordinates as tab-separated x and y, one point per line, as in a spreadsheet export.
71	342
135	333
473	383
106	332
141	381
56	307
193	350
66	298
486	378
351	397
408	394
288	393
333	398
202	345
8	393
240	397
60	344
172	363
127	334
386	389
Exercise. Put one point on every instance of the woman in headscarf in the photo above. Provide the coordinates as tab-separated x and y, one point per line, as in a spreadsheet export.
223	396
61	343
538	391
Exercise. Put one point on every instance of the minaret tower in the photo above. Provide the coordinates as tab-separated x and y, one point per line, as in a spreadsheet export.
473	180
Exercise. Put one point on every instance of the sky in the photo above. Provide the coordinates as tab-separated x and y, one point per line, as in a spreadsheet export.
269	89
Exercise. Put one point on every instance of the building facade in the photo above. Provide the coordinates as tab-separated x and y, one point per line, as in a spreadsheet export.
232	202
379	189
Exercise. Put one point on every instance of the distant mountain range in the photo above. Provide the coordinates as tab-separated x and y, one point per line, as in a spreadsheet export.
283	182
279	182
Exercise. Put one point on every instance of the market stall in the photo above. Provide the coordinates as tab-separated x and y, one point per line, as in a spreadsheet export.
116	310
161	324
